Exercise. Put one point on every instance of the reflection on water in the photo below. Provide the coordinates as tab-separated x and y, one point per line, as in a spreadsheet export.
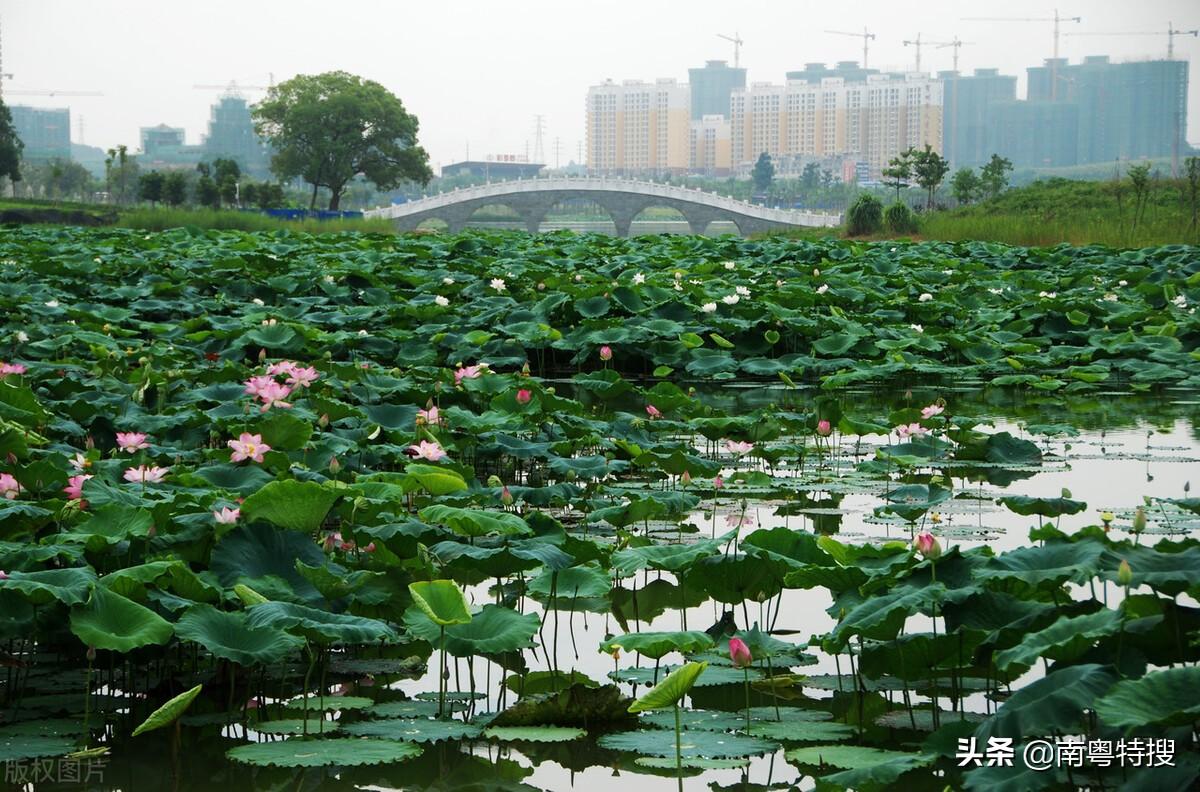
1109	450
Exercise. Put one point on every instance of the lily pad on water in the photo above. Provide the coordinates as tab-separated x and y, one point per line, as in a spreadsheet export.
414	729
661	742
331	703
296	726
339	751
33	746
534	733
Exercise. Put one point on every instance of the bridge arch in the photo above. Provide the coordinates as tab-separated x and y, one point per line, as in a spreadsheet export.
567	206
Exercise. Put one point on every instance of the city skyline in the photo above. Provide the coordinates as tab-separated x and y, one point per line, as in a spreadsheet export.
456	67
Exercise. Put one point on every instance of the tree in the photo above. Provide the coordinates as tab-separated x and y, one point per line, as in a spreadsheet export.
10	145
865	215
150	187
811	176
331	127
826	178
965	185
993	177
763	173
929	169
1139	179
899	171
174	188
1192	170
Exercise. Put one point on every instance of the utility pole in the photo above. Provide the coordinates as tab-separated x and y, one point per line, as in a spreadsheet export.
1057	20
539	126
866	36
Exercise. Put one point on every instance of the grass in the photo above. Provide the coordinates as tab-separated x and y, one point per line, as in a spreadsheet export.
161	218
1058	210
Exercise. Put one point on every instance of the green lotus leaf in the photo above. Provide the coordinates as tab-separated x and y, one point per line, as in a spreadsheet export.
441	600
110	621
15	747
169	712
431	479
291	504
317	625
656	645
491	630
670	690
475	522
68	586
293	726
1056	701
1167	697
228	636
1046	507
414	729
343	752
1065	640
694	744
534	733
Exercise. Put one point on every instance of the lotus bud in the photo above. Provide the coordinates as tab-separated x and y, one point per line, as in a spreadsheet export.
506	497
91	653
927	545
1066	493
1139	520
89	443
323	421
606	352
262	355
334	465
524	396
718	483
494	481
369	548
1124	574
653	411
824	429
739	653
525	369
686	478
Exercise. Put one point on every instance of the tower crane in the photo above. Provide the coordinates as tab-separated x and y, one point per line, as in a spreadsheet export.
938	44
866	36
956	43
1171	32
1057	20
737	46
233	88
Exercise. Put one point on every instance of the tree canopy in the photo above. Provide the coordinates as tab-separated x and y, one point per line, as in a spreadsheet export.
329	128
10	146
763	173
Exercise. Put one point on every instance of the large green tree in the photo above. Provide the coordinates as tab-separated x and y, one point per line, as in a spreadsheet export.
899	171
929	169
763	173
993	177
328	128
10	146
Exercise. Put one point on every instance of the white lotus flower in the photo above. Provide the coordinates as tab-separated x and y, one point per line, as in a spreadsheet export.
442	301
497	284
729	265
639	278
918	328
824	287
925	297
708	307
730	299
51	303
742	290
448	281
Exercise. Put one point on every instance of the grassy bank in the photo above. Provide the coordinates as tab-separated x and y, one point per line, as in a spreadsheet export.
161	218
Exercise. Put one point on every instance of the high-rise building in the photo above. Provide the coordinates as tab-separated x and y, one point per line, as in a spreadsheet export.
161	139
638	128
710	149
231	136
967	100
1036	134
45	132
1131	110
712	87
825	117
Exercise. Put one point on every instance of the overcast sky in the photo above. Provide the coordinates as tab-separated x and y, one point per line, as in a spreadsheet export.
475	73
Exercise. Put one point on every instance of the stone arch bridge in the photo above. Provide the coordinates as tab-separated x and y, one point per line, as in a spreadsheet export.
622	199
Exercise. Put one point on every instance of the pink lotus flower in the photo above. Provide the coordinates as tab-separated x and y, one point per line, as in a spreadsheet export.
932	410
273	395
738	448
255	385
506	497
430	417
427	450
606	353
467	372
227	516
11	368
686	478
739	653
911	430
823	428
739	520
74	488
248	446
3	575
718	483
303	377
8	486
524	396
144	474
130	442
369	548
653	411
332	541
927	545
282	367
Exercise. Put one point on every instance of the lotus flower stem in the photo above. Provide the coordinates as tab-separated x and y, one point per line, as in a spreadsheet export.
678	746
746	685
442	674
307	680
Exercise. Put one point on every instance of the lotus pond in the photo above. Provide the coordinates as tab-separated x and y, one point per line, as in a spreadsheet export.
499	511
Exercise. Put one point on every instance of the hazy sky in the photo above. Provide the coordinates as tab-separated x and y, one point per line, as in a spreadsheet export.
477	72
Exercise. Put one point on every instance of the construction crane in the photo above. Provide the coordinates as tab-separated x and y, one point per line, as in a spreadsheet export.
866	36
233	88
956	44
1057	20
55	92
737	47
1171	32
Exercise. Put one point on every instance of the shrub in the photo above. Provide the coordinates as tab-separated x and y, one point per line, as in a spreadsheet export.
900	219
865	216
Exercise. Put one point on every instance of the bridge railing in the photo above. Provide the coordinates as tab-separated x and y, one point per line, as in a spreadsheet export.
603	184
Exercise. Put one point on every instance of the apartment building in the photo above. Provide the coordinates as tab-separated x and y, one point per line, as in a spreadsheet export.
710	146
639	128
